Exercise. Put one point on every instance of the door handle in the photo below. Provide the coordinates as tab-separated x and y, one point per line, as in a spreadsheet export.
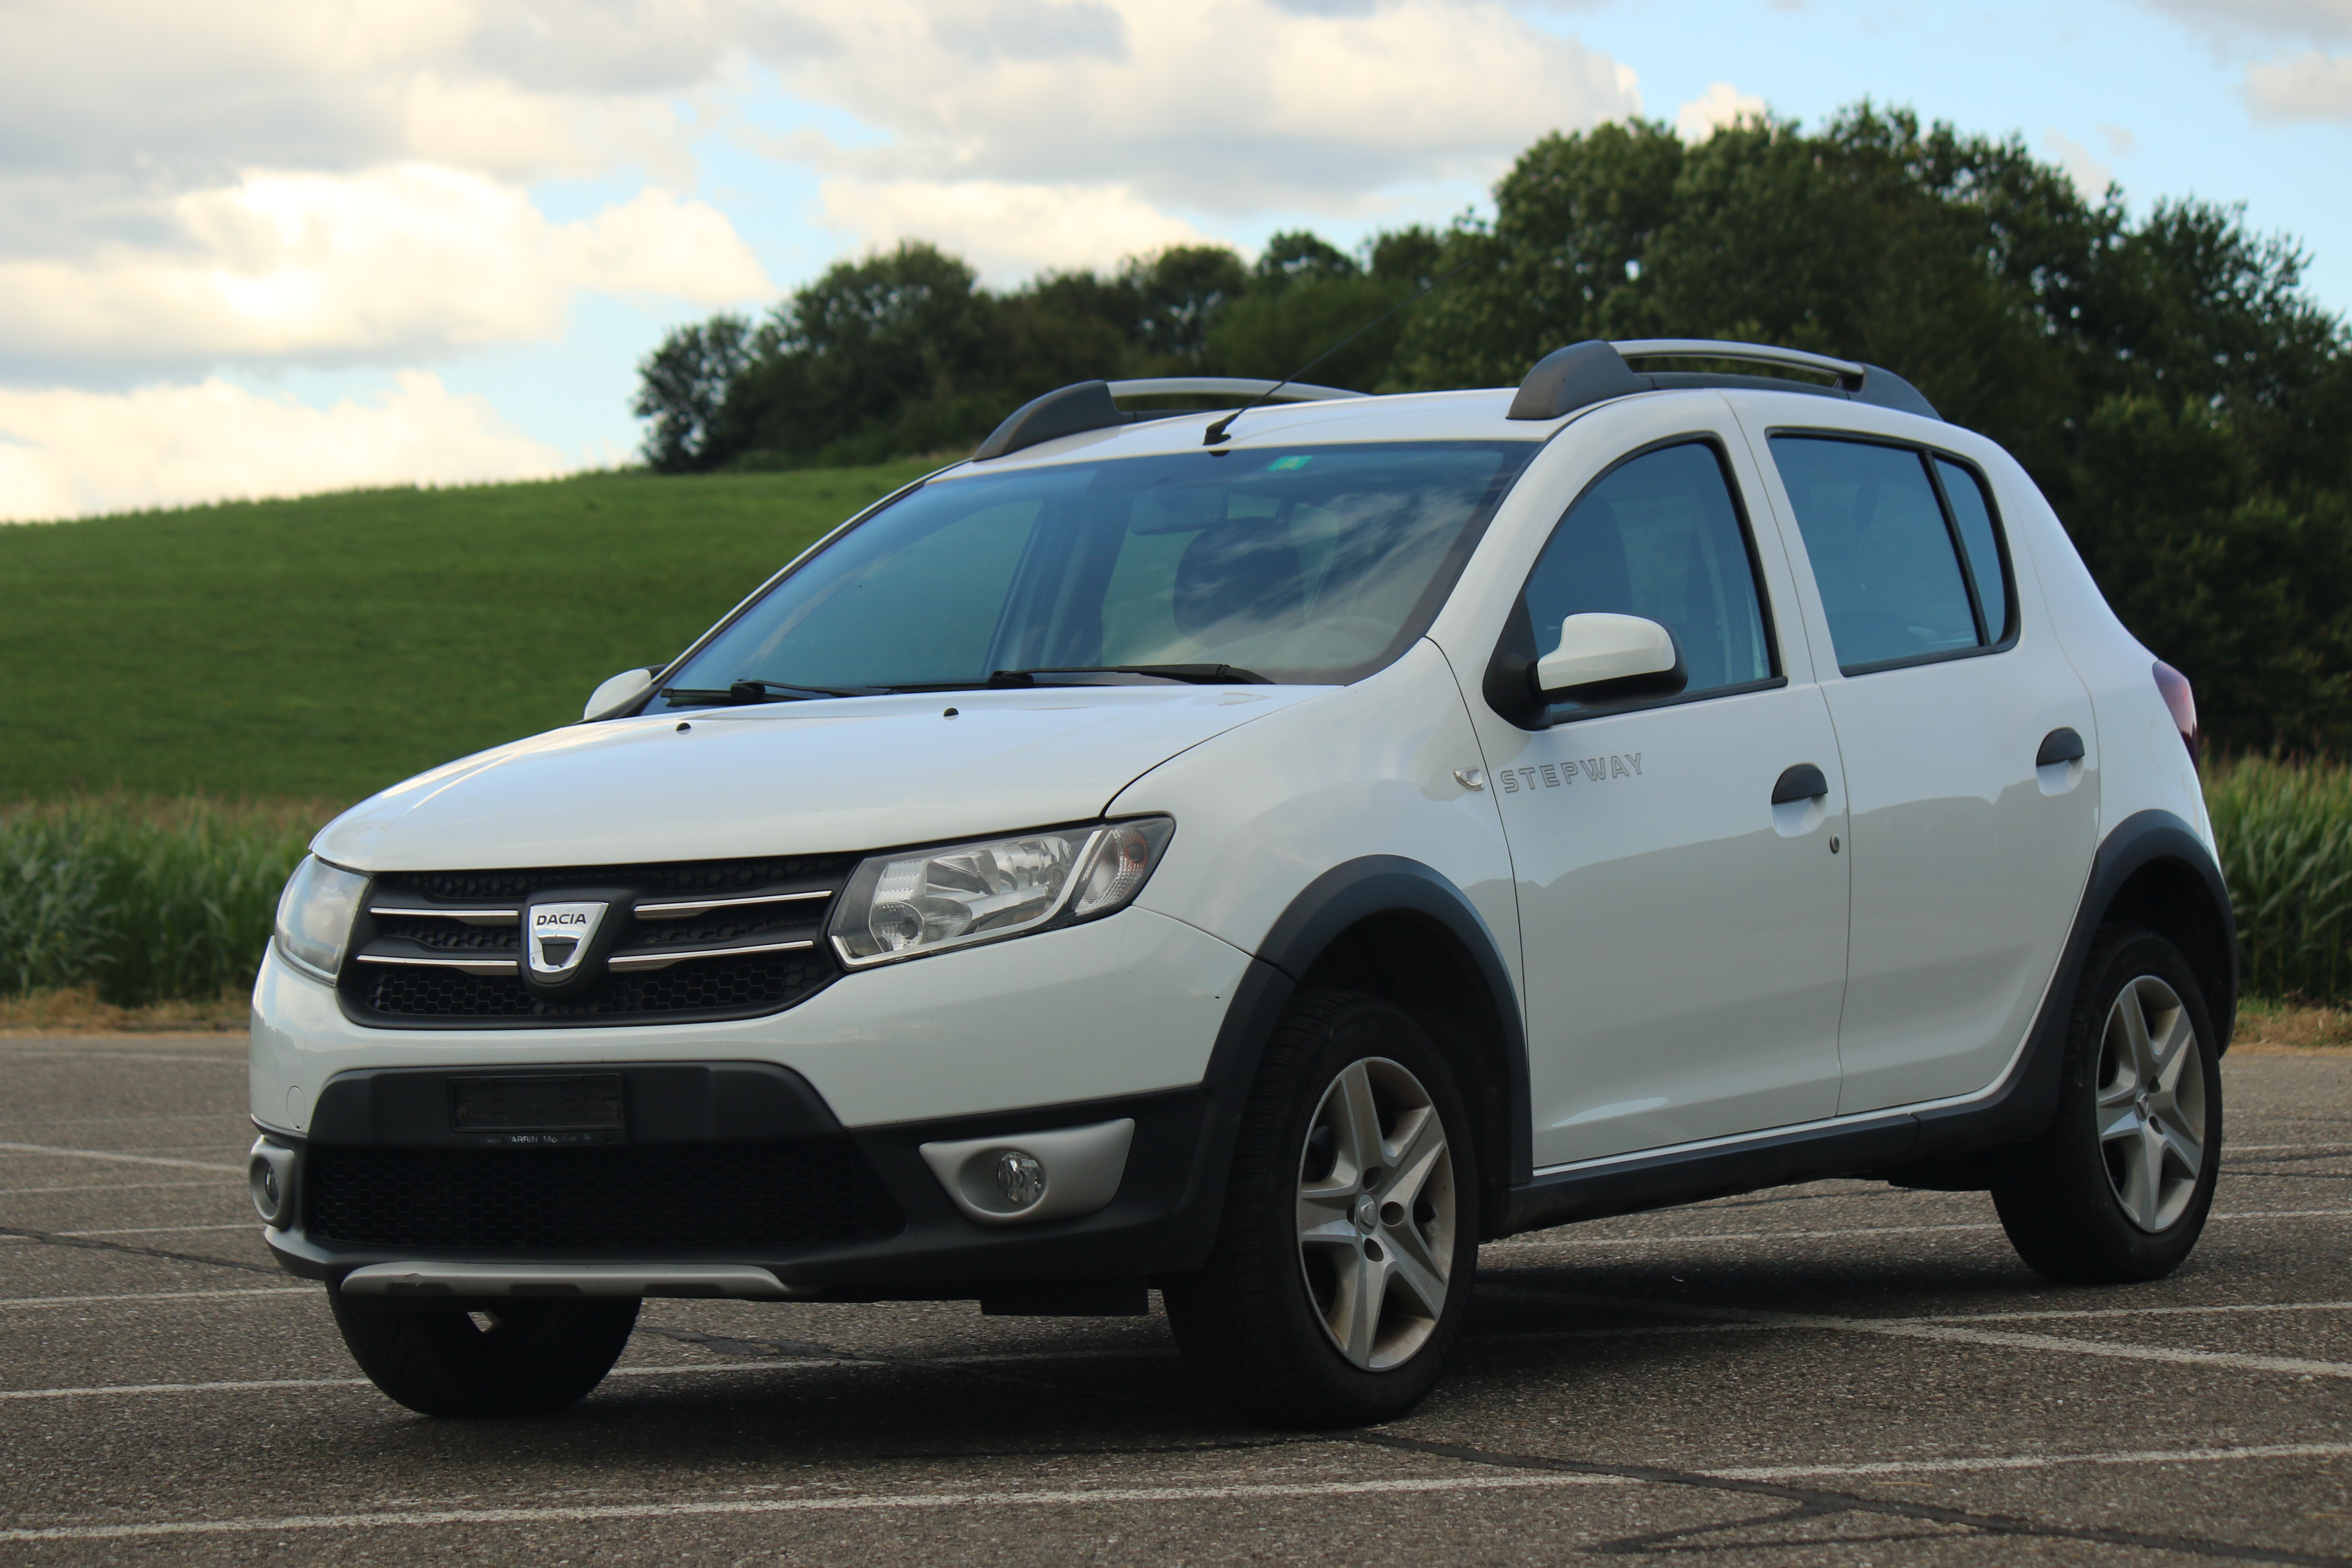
2061	745
1803	782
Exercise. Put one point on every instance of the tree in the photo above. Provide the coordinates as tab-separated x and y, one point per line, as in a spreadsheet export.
681	386
874	356
1178	295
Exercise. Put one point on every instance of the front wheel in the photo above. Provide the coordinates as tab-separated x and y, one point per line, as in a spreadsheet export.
1350	1234
2118	1188
507	1358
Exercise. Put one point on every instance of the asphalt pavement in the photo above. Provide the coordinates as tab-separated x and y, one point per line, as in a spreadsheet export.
1840	1374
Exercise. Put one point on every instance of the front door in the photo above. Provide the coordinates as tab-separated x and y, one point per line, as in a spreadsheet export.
1683	936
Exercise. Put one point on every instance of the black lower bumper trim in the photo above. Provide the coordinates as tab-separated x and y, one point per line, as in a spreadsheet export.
1161	1220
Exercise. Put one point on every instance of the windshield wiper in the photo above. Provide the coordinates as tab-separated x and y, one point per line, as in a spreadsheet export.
1193	674
744	691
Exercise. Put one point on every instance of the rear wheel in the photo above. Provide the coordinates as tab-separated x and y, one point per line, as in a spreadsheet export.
1350	1227
2118	1187
506	1358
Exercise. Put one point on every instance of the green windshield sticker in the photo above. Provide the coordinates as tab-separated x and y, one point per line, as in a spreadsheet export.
1281	463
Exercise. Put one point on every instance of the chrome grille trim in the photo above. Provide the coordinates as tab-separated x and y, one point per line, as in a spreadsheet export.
471	917
681	910
470	965
623	962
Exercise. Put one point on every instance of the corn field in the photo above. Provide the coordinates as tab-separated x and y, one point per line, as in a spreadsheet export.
2286	832
151	899
143	900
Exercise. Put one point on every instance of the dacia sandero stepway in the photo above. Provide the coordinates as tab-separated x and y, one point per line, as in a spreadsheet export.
1259	857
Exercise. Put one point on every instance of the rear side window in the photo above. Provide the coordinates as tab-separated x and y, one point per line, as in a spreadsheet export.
1659	537
1888	556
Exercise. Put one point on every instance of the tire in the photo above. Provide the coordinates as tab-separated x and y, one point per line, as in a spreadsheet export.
1273	1320
525	1358
2117	1190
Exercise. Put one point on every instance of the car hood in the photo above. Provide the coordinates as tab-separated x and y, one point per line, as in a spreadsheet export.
789	778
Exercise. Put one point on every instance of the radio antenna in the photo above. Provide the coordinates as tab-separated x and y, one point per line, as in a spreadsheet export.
1215	434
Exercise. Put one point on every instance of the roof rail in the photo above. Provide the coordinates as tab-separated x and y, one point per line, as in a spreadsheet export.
1089	405
1591	372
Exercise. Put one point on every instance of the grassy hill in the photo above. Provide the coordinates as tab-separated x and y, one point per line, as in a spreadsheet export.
328	646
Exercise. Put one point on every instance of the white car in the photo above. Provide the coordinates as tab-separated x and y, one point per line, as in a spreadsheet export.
1261	857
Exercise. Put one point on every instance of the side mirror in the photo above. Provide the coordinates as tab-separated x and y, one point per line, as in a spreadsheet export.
622	689
1602	656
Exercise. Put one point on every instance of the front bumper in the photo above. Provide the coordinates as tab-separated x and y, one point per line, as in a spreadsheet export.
1161	1218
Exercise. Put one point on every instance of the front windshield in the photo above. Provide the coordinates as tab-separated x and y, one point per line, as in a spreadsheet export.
1316	564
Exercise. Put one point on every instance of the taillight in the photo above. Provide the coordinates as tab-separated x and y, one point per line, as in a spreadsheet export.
2182	702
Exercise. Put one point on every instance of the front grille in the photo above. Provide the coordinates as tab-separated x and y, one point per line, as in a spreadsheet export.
638	1197
713	987
408	963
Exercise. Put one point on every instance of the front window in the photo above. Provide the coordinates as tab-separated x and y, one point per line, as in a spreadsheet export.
1316	564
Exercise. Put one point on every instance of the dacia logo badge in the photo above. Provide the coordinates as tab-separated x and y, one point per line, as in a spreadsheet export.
556	937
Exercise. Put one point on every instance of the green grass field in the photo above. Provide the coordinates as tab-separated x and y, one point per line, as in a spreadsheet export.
328	646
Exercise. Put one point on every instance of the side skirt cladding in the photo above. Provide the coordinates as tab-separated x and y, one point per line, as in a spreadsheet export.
2151	870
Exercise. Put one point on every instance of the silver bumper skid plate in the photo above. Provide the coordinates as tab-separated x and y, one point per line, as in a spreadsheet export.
738	1281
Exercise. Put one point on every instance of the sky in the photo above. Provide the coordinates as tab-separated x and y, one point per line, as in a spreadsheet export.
251	248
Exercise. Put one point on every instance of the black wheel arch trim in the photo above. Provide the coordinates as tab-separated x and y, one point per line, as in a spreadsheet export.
1325	910
1953	1147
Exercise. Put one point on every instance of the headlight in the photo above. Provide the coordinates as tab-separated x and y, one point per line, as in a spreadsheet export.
904	906
315	915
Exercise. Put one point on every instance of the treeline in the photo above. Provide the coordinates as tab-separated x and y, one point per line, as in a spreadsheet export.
2184	403
904	352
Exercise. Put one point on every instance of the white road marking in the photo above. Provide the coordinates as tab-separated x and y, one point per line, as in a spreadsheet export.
106	1120
106	1188
2138	1311
1920	1329
248	1385
1071	1498
128	1057
2039	1461
158	1296
112	1154
2228	1149
869	1503
253	1224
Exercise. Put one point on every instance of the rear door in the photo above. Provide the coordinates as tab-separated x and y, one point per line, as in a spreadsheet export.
1968	853
1683	937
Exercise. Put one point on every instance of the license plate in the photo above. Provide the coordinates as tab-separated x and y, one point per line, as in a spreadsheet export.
586	1109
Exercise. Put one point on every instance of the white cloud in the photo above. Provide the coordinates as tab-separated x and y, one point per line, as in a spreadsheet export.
1007	231
391	265
1224	106
2312	83
64	454
345	181
2089	178
1720	107
247	183
2307	85
2311	20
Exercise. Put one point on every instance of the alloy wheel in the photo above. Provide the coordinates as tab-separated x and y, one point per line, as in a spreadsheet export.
1376	1214
2151	1103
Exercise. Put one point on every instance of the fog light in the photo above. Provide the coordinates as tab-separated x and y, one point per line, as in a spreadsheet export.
270	1178
1020	1178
